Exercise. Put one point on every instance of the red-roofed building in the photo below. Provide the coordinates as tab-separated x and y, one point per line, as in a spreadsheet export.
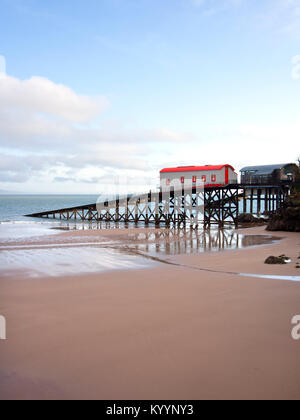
209	175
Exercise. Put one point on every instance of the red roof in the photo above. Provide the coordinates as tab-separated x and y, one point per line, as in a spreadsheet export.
196	168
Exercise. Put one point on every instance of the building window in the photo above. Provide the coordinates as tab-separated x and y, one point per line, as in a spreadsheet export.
213	178
203	178
194	179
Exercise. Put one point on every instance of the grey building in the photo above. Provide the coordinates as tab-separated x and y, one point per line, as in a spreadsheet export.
269	174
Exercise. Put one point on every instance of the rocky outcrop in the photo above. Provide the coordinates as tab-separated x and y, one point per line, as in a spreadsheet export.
246	218
288	217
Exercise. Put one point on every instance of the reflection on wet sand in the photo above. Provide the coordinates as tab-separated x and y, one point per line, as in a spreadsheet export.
75	254
176	242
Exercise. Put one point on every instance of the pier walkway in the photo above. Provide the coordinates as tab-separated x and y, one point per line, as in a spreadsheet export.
210	206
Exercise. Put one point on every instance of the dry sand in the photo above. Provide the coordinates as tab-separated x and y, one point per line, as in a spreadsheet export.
166	332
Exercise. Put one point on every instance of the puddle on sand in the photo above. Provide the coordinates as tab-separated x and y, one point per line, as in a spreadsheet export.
53	262
131	251
177	242
18	231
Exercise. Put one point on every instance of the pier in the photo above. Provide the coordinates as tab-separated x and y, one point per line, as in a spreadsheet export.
259	199
209	206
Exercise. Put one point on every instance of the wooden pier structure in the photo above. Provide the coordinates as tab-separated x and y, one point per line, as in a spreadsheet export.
209	206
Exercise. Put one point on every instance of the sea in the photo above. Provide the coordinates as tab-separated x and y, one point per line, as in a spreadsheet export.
14	225
13	208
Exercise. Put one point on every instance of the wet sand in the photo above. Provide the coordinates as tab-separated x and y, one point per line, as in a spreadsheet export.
161	332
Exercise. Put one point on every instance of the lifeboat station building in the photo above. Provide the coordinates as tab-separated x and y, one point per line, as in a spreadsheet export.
207	176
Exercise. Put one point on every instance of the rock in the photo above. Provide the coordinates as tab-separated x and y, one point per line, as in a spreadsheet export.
249	218
287	218
277	260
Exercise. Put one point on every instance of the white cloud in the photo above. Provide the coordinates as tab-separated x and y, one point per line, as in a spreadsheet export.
40	137
282	15
41	143
291	18
43	96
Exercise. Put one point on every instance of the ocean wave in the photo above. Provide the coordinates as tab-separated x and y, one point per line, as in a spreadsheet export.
23	222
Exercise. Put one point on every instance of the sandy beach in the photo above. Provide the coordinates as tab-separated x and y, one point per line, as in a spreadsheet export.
181	327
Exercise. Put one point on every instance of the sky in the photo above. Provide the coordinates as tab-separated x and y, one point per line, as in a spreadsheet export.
104	91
